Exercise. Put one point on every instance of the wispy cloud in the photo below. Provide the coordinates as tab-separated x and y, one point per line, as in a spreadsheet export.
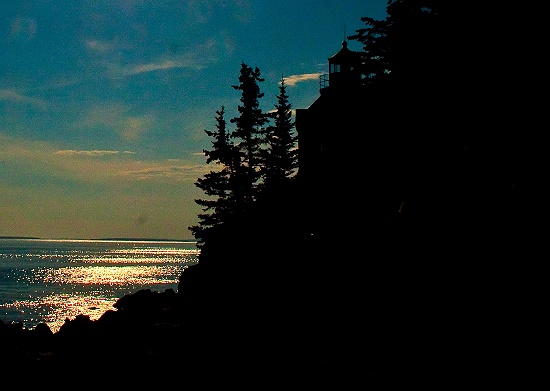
110	56
96	166
117	117
295	79
14	96
157	66
167	170
196	58
23	28
72	152
120	166
100	46
203	10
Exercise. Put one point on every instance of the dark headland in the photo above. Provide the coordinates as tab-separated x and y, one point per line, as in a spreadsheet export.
432	278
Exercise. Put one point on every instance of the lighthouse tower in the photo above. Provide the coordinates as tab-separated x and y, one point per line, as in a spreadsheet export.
344	72
324	125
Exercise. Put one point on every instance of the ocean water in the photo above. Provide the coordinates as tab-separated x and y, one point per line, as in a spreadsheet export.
48	281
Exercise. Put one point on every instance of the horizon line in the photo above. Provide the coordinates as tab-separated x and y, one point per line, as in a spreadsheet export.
112	239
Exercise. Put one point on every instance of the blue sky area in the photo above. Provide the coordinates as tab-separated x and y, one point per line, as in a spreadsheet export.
103	103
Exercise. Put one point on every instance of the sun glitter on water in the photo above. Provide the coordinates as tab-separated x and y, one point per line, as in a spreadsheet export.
53	280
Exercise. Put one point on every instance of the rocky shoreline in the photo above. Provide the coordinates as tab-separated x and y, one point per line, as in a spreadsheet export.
148	333
245	317
392	324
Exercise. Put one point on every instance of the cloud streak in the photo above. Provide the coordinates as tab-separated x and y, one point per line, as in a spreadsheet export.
295	79
202	11
116	117
72	152
96	166
117	165
165	170
196	58
154	66
23	28
99	46
110	56
10	95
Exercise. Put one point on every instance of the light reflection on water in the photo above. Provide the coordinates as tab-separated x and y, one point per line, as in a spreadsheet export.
109	275
53	309
50	281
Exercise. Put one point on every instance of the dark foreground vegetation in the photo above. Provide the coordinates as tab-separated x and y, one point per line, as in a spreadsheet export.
416	274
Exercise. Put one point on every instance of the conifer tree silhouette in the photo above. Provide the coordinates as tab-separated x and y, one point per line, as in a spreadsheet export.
281	160
249	135
239	156
217	184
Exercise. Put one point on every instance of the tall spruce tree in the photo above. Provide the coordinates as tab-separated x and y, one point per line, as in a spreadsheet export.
217	184
233	188
249	134
281	157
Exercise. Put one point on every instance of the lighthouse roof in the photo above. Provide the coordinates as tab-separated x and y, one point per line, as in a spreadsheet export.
345	55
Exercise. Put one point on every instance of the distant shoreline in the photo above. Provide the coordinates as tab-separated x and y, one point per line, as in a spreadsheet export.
146	240
18	237
106	239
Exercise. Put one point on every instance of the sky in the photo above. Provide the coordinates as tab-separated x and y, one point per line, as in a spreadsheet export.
104	103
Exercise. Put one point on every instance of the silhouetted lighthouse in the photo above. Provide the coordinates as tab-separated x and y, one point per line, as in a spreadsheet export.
319	125
344	72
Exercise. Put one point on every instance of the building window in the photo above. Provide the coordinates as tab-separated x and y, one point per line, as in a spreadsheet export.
334	68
